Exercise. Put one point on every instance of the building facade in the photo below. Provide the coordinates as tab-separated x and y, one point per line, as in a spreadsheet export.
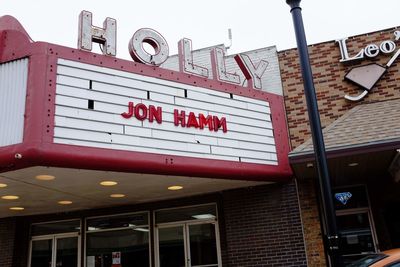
110	162
201	160
361	138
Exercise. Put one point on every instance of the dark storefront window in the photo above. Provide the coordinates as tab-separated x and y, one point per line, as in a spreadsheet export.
52	228
187	237
354	223
118	241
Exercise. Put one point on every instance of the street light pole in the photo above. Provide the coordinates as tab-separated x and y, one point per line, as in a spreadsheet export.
332	238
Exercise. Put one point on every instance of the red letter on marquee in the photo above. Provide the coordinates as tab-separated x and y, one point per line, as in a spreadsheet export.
220	123
192	121
206	121
155	114
128	114
141	115
179	118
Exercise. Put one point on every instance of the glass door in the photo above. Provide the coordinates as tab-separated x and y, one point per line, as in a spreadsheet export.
356	233
171	246
55	251
188	245
42	253
202	244
66	251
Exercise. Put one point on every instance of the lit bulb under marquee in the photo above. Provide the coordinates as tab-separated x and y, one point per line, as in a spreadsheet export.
64	202
117	195
45	177
10	197
175	187
17	208
108	183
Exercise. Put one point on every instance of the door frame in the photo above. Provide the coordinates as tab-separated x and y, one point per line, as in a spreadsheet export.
53	238
366	210
185	225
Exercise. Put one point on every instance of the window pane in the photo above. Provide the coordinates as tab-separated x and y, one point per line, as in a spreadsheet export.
171	247
41	253
110	222
133	244
203	244
355	233
67	252
185	214
56	228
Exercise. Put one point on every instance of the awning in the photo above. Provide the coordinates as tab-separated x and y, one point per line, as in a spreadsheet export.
368	134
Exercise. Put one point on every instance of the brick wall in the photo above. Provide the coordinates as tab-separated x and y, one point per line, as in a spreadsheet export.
330	89
7	234
263	227
329	82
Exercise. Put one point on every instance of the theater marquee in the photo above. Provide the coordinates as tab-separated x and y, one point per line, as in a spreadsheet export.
90	111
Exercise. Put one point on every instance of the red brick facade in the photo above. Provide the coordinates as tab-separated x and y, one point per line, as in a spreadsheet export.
330	88
7	238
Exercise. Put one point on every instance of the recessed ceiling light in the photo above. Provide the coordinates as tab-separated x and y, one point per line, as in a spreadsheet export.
117	195
17	208
353	164
45	177
10	197
64	202
3	185
108	183
175	187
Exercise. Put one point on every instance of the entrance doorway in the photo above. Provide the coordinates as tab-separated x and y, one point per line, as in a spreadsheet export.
355	223
187	243
53	249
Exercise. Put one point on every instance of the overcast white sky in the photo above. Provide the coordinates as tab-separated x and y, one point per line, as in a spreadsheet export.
254	23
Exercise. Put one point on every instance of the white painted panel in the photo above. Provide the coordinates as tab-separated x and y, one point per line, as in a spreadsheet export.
138	131
140	149
13	85
133	76
219	108
82	135
251	100
117	80
259	161
88	125
162	98
219	100
91	115
71	81
92	95
119	90
249	136
71	102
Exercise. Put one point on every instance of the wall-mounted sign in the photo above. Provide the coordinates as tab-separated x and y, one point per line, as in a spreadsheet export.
343	197
368	75
107	37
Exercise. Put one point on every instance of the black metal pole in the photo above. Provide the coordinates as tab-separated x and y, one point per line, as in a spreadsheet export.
332	238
